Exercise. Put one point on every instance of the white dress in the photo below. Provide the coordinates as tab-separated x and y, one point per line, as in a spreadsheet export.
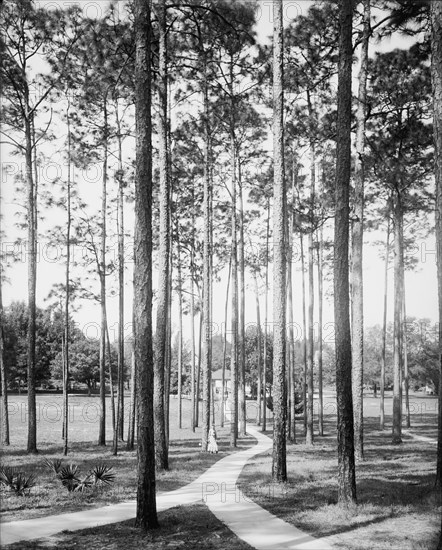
212	447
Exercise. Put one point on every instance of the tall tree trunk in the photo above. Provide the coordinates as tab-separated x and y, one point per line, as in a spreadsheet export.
120	222
67	284
436	71
161	452
242	307
168	352
357	244
266	307
234	348
290	226
258	351
398	334
346	458
198	374
112	393
131	429
102	276
291	431
384	325
192	327
32	282
146	513
405	352
311	288
279	465
180	335
223	381
207	271
320	321
304	332
3	372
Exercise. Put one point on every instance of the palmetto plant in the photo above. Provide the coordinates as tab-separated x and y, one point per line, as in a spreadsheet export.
100	474
17	481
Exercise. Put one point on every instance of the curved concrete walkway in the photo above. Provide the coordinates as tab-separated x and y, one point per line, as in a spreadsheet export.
216	487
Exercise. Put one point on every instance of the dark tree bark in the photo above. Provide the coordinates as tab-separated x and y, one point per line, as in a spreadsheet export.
436	71
311	288
234	349
266	316
102	277
384	325
207	269
32	281
67	284
242	307
304	332
259	351
161	451
398	334
405	352
279	465
146	514
223	381
180	335
320	321
131	429
346	459
357	243
120	218
194	400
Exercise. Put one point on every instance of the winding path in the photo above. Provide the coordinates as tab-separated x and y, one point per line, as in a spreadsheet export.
216	487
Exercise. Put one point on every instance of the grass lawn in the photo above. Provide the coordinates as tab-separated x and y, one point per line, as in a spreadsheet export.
398	507
186	462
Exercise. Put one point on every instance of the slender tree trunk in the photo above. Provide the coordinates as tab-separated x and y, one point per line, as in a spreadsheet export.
168	352
398	334
67	284
320	321
357	244
102	276
279	466
180	336
192	331
120	221
112	393
311	288
234	349
63	384
32	282
198	374
292	386
131	429
304	332
290	227
242	307
346	458
161	452
384	326
146	513
223	382
3	372
405	352
266	305
207	271
259	351
436	71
